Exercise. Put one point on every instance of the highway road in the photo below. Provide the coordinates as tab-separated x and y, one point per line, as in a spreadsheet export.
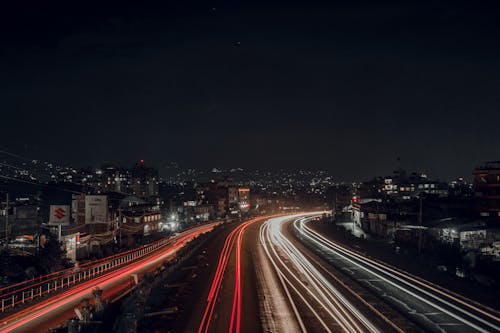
263	282
230	304
301	295
431	307
55	309
278	274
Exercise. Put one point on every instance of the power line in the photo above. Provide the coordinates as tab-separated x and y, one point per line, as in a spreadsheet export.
28	167
15	155
41	172
40	184
12	166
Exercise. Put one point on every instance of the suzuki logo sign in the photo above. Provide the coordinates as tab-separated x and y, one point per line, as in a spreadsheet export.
59	215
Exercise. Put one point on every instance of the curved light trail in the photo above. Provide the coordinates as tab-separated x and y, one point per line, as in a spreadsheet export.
233	241
468	315
329	306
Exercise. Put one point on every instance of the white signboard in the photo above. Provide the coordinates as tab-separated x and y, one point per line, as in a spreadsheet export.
59	215
96	209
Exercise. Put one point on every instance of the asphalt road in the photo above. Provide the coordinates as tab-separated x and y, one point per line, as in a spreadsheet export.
264	280
302	293
431	307
229	302
276	274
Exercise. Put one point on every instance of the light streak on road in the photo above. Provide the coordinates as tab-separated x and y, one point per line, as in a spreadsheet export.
233	240
32	290
329	306
117	280
236	309
466	312
217	282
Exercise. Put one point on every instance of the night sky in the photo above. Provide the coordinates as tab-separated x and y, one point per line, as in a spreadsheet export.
344	86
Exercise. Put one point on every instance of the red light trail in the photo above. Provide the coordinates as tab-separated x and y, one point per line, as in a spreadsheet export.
236	310
112	283
235	237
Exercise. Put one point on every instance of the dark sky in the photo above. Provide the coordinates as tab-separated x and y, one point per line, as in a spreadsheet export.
345	86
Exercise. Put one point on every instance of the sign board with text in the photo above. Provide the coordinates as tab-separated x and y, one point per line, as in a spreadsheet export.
96	209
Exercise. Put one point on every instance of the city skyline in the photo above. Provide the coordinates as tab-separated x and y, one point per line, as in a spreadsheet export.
250	166
43	170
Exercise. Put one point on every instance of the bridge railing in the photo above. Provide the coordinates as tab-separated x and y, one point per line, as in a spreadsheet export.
27	291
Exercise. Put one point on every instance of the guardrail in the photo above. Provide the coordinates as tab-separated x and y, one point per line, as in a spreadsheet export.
27	291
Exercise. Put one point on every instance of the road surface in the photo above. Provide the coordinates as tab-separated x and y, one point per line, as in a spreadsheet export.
302	295
277	274
230	304
431	307
265	283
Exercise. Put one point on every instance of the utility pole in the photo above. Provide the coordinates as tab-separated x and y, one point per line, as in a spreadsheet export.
334	210
7	221
120	222
420	226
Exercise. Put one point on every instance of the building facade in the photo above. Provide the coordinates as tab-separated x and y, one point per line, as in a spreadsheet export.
145	180
487	189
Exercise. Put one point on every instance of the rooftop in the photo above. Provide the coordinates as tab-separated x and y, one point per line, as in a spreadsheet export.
490	165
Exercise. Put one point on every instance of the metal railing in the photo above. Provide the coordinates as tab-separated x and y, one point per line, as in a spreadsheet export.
27	291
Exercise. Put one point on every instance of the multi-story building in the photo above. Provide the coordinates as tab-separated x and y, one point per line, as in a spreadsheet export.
244	199
25	220
224	197
141	221
487	189
232	198
402	186
116	179
339	196
145	180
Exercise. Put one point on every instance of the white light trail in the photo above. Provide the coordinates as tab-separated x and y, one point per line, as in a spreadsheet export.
316	292
422	291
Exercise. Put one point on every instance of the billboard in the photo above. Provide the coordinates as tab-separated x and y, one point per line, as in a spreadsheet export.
96	209
26	212
59	215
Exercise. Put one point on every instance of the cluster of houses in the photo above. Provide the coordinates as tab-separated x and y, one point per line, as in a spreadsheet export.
415	210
